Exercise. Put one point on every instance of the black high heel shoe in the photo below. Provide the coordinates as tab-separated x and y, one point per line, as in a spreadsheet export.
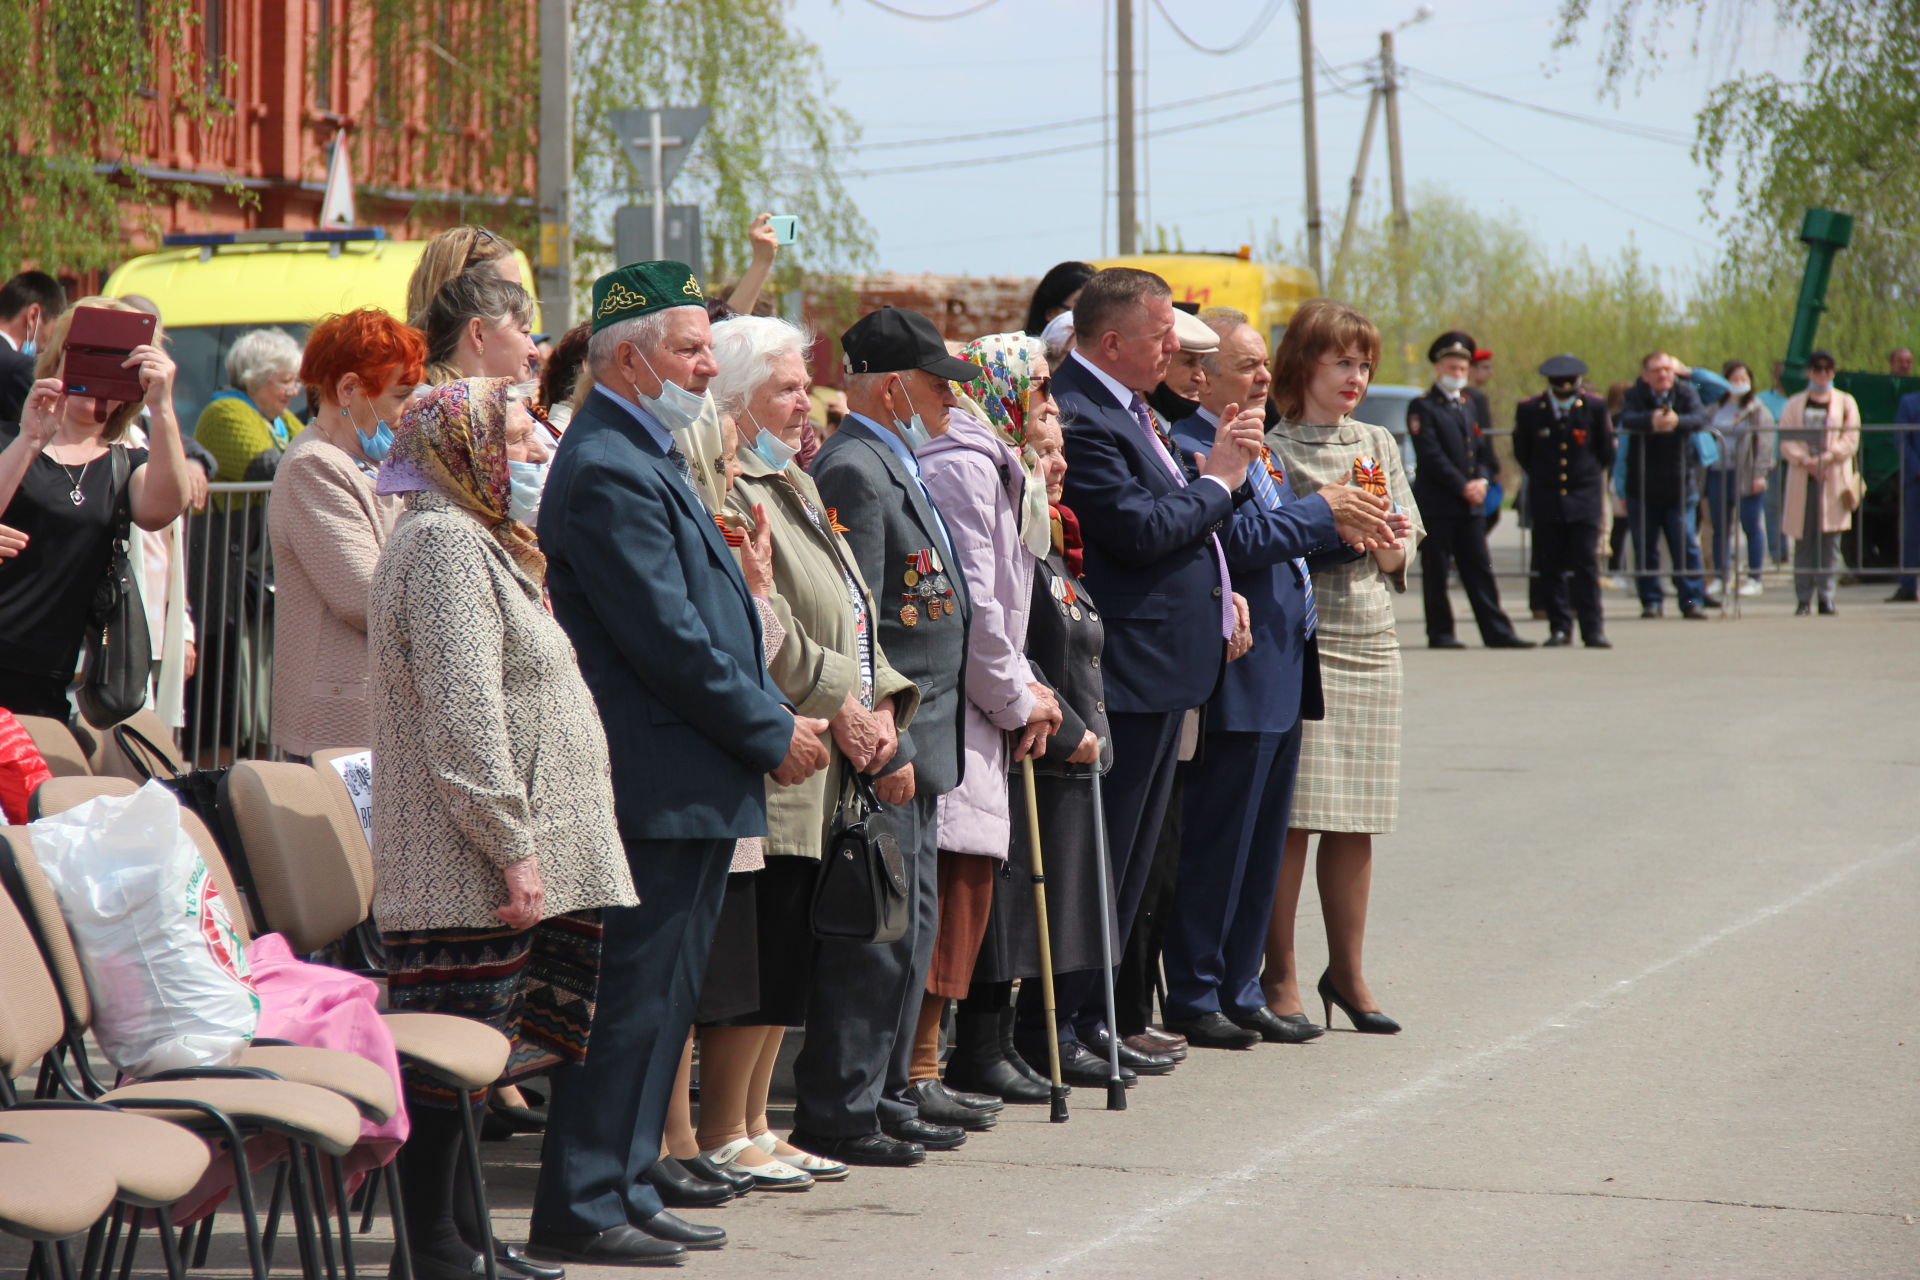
1374	1023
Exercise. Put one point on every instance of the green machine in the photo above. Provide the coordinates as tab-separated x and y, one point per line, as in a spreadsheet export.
1826	233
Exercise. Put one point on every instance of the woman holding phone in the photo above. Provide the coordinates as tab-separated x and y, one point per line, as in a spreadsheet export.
62	494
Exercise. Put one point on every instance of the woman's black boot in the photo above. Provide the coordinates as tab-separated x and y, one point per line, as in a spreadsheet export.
982	1053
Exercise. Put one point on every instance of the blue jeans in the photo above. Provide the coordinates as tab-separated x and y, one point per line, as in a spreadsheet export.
1722	502
1648	523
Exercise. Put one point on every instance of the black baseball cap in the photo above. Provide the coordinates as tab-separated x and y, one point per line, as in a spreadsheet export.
895	339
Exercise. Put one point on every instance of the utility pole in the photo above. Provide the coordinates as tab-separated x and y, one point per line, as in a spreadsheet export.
1397	179
1354	191
553	273
1123	126
1309	125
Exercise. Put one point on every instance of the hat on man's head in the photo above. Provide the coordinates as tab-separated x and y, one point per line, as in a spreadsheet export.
895	339
1561	367
641	288
1451	343
1481	353
1195	336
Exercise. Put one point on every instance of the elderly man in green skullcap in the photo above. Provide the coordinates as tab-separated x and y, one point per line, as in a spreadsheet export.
669	640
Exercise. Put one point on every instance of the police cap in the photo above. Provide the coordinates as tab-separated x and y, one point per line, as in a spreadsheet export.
1451	343
1561	367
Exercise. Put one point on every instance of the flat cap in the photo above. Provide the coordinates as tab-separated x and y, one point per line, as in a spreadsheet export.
1194	334
1562	366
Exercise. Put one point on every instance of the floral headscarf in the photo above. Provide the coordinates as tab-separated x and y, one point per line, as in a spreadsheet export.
455	438
1001	396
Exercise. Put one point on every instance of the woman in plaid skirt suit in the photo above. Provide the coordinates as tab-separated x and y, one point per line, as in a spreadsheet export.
1348	788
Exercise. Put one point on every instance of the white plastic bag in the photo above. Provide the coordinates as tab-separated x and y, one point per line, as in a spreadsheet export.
164	966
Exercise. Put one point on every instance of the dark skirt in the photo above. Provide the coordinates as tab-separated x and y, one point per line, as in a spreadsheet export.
966	899
535	986
784	925
1011	948
732	985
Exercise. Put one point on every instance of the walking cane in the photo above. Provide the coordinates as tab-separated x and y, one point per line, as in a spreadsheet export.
1116	1087
1059	1092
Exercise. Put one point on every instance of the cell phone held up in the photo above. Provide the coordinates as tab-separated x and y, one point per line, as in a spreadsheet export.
786	227
99	340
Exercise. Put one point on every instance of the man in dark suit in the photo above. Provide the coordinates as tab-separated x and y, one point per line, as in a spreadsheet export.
852	1076
1239	787
1564	442
669	641
1155	563
1658	418
1907	413
1456	465
29	304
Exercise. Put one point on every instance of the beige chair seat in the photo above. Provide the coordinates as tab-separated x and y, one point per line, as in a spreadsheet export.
359	1081
154	1163
319	1117
50	1193
460	1051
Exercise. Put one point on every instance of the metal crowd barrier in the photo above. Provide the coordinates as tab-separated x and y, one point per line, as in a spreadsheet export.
229	700
1870	549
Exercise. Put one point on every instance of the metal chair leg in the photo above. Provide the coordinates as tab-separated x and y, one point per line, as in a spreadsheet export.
470	1136
402	1244
169	1244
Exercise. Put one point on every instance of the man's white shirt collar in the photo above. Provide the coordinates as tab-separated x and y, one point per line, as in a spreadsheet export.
1121	395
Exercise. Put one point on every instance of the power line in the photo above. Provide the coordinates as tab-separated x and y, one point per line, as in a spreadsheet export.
1646	133
1556	175
933	17
1245	38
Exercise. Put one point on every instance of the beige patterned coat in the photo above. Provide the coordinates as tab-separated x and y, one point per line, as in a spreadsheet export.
487	745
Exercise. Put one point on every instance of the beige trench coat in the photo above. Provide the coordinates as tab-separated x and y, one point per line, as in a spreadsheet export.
1837	463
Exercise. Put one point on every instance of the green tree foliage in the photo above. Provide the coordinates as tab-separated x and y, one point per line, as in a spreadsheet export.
772	144
1839	134
71	104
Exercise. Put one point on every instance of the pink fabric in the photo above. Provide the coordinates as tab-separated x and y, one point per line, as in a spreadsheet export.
321	1008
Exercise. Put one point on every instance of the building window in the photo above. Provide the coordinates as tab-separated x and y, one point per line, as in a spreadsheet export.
323	57
213	44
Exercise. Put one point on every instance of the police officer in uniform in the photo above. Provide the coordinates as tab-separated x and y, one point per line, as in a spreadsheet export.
1564	441
1456	465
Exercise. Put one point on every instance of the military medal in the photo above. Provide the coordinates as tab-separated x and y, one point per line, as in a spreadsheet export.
909	616
1580	435
1075	611
1368	475
910	577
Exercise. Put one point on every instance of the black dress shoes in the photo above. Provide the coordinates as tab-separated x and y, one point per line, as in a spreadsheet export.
1142	1062
1693	613
1709	602
1511	642
1653	610
677	1230
1903	597
1079	1065
701	1167
1436	642
678	1186
509	1261
1827	609
621	1246
1802	609
934	1137
1275	1029
1597	642
939	1106
1559	640
872	1149
978	1101
1213	1030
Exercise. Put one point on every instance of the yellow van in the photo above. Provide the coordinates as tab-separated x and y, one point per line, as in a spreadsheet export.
1269	292
213	287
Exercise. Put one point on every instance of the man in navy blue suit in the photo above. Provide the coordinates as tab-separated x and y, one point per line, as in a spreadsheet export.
669	641
1239	788
1154	563
1908	414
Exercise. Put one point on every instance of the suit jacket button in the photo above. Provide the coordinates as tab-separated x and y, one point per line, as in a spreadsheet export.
1099	706
1096	660
1216	593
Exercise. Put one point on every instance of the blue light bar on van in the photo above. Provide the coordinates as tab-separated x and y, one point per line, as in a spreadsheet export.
217	239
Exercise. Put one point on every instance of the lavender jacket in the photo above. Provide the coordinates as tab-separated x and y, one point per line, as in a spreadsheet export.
975	479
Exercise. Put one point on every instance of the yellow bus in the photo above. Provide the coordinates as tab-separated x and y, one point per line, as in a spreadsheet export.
213	287
1269	292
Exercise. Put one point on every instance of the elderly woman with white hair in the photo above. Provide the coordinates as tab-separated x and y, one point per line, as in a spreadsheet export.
831	666
248	422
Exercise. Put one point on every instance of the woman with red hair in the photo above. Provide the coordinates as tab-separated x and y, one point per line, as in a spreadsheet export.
328	526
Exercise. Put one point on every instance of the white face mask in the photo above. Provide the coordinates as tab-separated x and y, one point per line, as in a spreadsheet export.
1453	383
1739	388
914	432
676	408
528	480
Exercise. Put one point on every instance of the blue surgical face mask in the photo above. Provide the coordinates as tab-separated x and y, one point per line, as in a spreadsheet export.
376	446
676	408
1565	404
773	451
913	432
1817	383
528	481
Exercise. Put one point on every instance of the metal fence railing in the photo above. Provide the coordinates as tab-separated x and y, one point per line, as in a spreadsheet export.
229	700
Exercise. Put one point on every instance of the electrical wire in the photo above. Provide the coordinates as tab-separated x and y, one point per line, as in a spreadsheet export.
1246	37
1556	175
1643	132
933	17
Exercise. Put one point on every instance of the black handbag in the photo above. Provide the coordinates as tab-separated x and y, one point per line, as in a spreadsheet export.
119	652
861	893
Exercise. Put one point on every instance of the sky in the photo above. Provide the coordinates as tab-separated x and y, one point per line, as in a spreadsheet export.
1024	63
